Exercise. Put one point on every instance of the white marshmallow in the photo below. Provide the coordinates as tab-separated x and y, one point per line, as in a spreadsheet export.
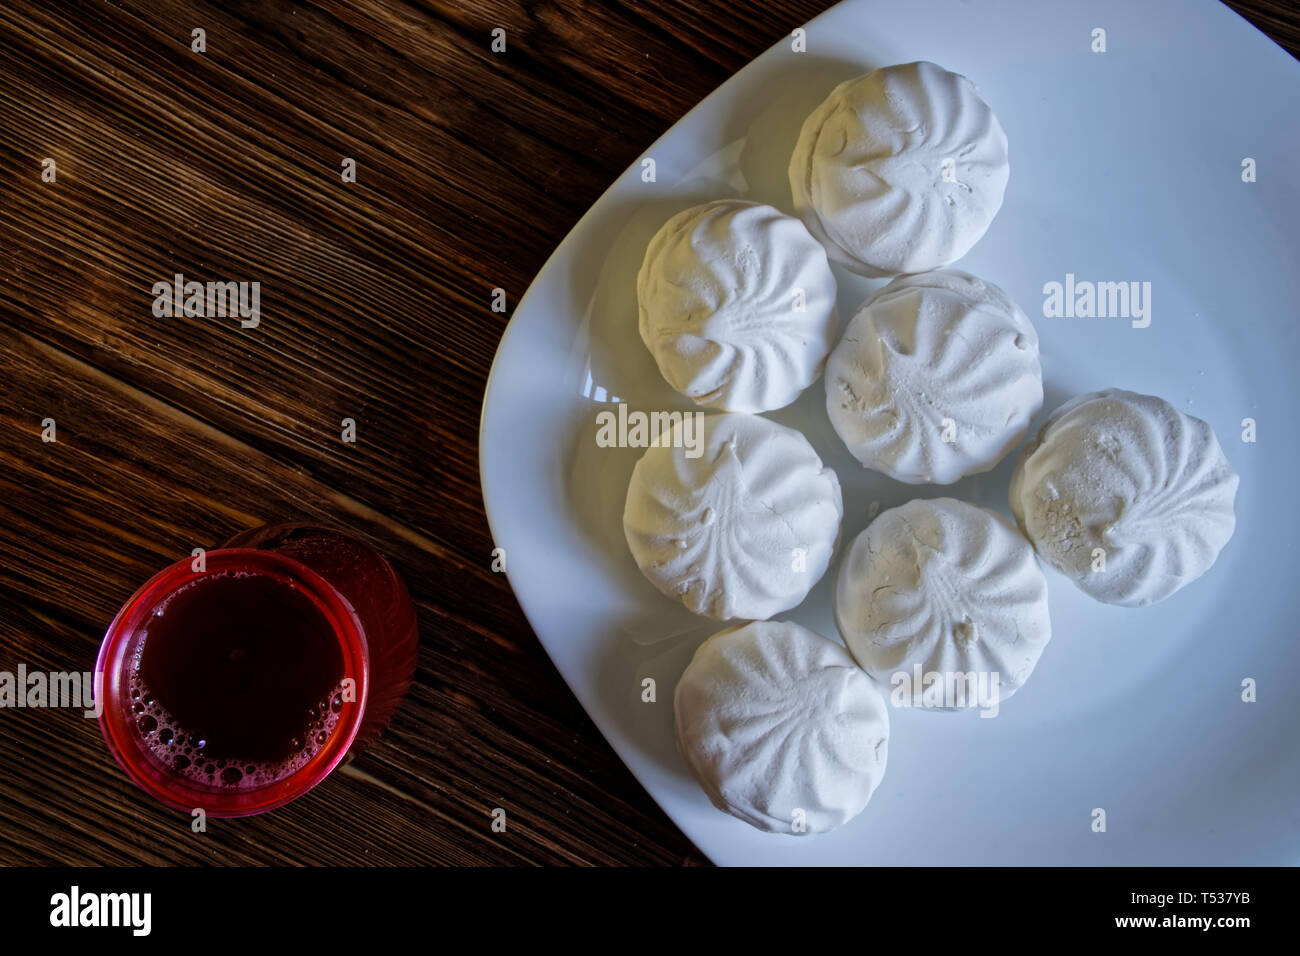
946	585
781	728
1125	495
737	305
901	170
937	377
742	531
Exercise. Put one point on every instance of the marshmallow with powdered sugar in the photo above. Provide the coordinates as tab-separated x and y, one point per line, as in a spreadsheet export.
781	728
737	305
901	170
1125	495
743	530
937	377
946	585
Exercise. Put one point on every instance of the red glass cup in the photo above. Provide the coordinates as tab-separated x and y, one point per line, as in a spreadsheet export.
367	610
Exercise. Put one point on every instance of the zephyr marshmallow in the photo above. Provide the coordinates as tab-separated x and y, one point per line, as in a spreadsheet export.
937	377
901	170
1125	495
737	305
781	728
745	529
949	586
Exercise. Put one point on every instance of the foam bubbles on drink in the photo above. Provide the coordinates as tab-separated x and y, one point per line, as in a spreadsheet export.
181	749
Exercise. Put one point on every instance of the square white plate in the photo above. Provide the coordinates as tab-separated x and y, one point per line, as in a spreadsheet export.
1125	166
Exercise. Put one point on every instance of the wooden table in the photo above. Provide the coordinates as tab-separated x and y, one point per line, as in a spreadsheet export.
175	433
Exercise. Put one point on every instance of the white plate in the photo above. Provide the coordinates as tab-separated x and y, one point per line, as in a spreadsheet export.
1125	165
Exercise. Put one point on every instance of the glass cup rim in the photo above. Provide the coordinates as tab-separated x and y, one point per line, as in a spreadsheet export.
112	670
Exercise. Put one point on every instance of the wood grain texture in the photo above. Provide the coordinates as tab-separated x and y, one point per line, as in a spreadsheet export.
1278	19
174	434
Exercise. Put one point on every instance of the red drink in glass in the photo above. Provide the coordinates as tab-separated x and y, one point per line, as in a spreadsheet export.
238	687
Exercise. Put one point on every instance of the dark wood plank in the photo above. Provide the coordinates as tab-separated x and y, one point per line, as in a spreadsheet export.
488	723
175	433
1279	19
